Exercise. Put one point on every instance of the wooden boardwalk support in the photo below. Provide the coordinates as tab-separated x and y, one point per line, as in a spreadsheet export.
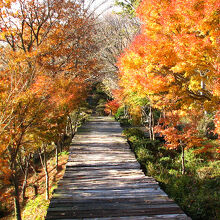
103	180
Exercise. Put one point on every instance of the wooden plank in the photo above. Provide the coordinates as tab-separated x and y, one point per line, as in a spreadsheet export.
104	173
108	171
98	163
107	146
154	217
116	180
115	196
112	202
105	166
105	186
103	152
97	169
99	160
149	200
138	178
107	206
111	213
104	192
148	217
89	185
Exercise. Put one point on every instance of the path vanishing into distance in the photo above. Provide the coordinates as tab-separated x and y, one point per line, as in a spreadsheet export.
103	180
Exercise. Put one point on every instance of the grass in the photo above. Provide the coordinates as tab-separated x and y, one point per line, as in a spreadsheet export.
198	191
35	207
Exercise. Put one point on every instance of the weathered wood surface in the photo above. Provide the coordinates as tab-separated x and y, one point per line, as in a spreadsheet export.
103	180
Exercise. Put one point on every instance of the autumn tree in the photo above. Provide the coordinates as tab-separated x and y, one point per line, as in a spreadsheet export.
174	61
111	107
180	134
47	48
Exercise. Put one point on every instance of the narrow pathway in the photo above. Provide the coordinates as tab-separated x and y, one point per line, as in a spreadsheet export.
103	180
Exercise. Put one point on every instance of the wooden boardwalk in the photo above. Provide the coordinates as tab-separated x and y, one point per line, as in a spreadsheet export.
103	180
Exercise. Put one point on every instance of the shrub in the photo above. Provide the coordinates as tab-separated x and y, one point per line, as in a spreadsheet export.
63	153
196	192
120	113
137	133
212	170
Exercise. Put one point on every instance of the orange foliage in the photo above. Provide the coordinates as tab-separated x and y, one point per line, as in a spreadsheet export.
174	63
177	132
177	49
46	57
217	127
111	107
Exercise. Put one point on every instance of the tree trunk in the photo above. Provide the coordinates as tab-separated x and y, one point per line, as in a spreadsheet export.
57	163
125	111
14	179
46	174
16	196
76	121
144	114
33	167
44	165
152	126
62	142
35	190
150	123
183	159
25	179
67	129
71	126
22	166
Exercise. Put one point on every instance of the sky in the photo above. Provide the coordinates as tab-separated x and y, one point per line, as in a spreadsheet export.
103	6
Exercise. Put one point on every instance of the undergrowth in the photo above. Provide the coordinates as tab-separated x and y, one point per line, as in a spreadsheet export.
197	192
36	209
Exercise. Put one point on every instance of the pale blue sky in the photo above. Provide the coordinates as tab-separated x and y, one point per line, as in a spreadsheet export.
106	6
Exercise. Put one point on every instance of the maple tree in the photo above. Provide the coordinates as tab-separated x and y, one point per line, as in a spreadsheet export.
46	57
179	133
20	109
174	61
111	107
